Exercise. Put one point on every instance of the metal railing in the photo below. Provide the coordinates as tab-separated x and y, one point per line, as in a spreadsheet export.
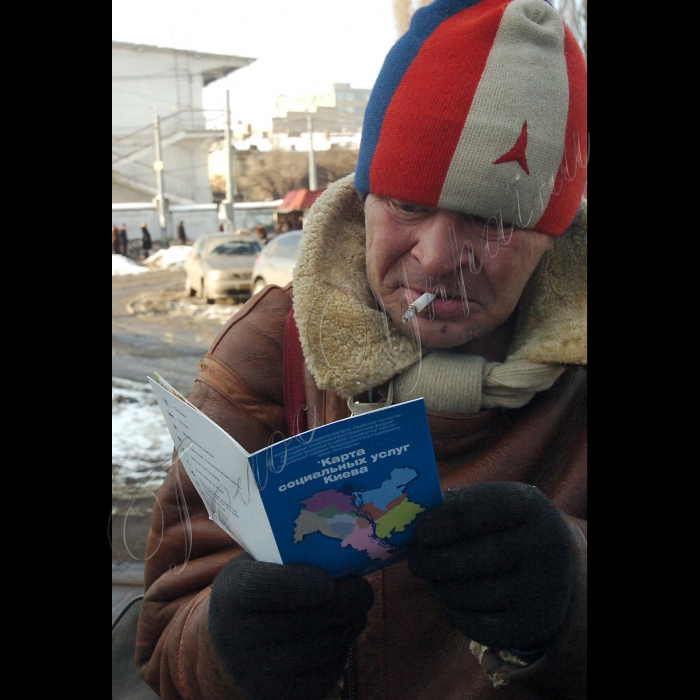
182	120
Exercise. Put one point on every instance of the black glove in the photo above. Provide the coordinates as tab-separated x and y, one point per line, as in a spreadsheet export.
499	555
283	631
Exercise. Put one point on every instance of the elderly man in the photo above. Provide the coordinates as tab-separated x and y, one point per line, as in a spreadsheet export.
469	188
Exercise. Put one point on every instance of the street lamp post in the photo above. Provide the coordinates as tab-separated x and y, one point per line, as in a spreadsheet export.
313	184
160	198
227	211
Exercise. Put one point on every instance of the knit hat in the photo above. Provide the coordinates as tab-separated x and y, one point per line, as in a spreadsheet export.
481	108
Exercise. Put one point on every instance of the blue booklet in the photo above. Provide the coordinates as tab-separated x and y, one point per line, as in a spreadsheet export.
345	496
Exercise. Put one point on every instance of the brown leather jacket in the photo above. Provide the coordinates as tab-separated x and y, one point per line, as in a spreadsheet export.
407	649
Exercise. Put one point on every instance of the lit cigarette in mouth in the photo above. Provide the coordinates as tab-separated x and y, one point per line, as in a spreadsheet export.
417	306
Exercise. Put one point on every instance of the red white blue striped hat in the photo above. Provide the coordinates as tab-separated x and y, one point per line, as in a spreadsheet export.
481	108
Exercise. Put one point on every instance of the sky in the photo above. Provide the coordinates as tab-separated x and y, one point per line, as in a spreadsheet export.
298	44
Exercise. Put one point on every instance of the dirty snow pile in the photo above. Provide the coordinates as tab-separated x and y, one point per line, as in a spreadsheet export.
219	313
171	258
141	444
121	265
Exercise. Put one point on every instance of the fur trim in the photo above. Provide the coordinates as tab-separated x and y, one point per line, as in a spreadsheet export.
350	346
552	315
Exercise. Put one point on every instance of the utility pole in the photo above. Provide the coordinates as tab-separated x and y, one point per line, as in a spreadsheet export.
226	209
160	197
313	184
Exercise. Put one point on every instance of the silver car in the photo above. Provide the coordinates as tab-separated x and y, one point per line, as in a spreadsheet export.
220	266
276	262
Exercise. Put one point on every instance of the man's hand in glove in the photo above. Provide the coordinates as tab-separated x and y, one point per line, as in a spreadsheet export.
499	556
283	631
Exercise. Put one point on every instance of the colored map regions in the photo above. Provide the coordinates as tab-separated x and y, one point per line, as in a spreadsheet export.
343	502
396	519
363	520
392	488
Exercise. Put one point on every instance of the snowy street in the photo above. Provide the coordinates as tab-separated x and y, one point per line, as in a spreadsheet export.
156	326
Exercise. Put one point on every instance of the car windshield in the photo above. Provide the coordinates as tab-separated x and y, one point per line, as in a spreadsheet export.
236	248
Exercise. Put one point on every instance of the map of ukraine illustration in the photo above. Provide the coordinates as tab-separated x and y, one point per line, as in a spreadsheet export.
363	520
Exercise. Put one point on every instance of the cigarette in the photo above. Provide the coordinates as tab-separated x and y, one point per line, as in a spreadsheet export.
417	306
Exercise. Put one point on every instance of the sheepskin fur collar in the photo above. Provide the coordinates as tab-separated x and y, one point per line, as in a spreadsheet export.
350	346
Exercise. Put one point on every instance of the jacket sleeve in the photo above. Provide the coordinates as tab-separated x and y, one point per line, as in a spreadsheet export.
239	387
563	668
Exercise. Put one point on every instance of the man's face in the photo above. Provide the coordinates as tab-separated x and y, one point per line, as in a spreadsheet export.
413	249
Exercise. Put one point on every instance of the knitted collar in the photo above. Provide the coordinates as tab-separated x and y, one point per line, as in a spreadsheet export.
350	346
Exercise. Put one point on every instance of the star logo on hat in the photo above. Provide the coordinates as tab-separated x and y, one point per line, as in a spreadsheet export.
517	153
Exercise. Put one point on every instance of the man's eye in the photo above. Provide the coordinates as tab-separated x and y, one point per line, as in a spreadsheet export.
489	228
484	223
408	207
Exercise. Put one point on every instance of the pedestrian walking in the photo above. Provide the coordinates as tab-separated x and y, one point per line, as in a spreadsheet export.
146	241
181	235
124	240
116	241
261	233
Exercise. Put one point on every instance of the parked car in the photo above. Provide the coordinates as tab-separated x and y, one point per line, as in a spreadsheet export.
276	261
220	266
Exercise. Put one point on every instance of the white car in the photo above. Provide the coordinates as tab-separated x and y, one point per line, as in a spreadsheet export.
276	261
220	266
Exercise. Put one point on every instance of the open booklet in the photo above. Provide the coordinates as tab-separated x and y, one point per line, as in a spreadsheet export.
344	496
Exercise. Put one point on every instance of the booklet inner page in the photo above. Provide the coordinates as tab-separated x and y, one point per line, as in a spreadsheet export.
219	469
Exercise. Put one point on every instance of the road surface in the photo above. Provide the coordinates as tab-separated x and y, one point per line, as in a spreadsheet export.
154	327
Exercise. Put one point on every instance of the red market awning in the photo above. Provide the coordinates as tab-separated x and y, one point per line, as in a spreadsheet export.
298	200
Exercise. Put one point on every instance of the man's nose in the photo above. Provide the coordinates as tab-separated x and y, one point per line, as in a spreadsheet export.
439	246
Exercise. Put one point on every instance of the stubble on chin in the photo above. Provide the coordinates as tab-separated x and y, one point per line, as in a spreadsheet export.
438	335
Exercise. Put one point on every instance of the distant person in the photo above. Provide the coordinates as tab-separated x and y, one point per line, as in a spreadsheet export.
146	240
116	241
261	233
124	240
181	235
221	227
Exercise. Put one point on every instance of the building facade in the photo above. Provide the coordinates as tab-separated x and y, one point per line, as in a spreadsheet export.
337	109
150	81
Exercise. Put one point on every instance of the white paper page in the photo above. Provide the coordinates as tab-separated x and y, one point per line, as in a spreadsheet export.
164	383
218	467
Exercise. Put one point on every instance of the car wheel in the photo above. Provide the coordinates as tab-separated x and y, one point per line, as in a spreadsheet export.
258	285
205	294
189	290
